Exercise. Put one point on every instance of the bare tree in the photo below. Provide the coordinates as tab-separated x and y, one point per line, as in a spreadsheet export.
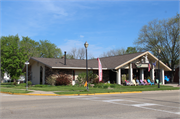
81	53
77	53
114	52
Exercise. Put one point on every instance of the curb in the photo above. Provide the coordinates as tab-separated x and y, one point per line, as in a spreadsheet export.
70	94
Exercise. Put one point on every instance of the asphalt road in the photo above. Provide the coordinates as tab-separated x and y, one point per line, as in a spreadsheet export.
146	105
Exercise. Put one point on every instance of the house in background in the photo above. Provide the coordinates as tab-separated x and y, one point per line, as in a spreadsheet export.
7	78
136	65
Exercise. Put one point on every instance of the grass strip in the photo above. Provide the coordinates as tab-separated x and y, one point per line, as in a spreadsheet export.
10	90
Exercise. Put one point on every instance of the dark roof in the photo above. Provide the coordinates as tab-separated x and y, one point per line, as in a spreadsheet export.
107	62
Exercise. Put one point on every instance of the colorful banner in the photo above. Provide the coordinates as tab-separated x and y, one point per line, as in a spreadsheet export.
149	67
100	70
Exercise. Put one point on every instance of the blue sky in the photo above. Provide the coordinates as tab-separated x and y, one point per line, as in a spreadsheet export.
104	24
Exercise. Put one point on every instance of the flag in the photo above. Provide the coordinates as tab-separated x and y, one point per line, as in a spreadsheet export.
100	70
154	64
149	67
85	85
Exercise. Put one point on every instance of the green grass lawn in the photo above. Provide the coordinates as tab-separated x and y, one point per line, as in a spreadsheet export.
99	88
10	90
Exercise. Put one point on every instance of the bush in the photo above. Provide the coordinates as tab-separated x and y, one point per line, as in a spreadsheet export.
95	80
113	85
22	84
29	83
51	80
105	86
14	83
82	77
100	85
40	85
63	80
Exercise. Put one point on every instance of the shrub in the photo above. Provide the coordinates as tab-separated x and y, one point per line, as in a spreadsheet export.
105	86
113	85
29	83
82	77
51	80
95	80
14	83
63	80
22	84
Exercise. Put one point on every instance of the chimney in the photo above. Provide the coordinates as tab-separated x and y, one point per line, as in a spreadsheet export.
65	58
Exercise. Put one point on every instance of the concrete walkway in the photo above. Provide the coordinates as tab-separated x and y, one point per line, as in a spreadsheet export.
40	92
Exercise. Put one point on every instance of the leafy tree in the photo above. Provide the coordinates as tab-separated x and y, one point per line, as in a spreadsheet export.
13	57
30	47
131	50
49	50
164	35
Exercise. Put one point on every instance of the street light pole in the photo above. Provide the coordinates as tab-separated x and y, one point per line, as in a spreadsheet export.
26	63
86	45
159	51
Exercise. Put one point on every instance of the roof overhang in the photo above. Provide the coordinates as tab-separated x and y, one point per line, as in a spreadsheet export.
152	57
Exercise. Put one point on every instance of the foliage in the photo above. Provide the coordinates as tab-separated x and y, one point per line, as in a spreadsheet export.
121	51
14	53
63	80
49	50
82	77
30	47
130	50
164	35
123	78
22	84
12	56
95	80
29	83
51	80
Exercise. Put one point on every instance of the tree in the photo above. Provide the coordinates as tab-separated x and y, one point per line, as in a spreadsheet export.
13	57
77	53
30	47
81	53
49	50
130	50
164	35
114	52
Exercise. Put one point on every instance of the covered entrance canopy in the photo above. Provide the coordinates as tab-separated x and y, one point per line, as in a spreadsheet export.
143	62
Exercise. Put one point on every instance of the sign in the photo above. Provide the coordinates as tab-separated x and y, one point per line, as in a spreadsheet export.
142	65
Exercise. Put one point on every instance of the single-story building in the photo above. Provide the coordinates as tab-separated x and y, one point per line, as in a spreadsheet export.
136	65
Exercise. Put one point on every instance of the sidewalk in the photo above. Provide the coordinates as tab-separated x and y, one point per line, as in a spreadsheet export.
172	84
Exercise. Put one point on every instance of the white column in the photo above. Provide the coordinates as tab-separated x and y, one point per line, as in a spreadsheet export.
152	73
142	74
118	77
162	76
130	72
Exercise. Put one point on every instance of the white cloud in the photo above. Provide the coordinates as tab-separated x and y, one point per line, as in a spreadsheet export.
81	36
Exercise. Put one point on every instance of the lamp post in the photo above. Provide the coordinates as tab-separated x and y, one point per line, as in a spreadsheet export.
159	51
26	63
86	45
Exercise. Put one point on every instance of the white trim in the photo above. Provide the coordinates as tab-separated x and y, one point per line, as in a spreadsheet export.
130	60
141	56
76	68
